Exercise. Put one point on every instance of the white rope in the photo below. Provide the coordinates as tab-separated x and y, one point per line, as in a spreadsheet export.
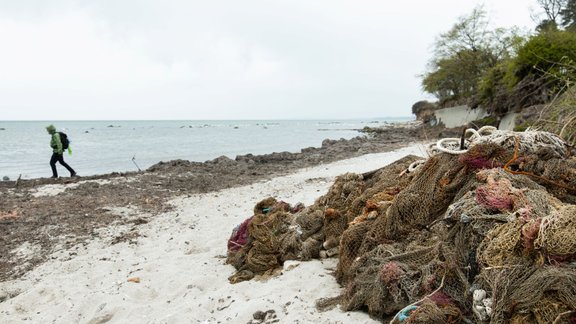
487	130
450	145
529	141
475	133
432	149
412	167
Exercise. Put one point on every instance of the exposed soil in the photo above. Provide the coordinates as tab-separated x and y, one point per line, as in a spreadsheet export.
70	211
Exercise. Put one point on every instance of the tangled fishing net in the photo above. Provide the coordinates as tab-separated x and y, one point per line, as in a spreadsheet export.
484	230
278	232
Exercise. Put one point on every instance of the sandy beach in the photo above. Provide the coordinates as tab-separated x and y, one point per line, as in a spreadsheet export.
174	270
52	214
281	162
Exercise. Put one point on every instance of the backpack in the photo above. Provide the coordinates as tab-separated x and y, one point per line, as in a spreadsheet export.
64	140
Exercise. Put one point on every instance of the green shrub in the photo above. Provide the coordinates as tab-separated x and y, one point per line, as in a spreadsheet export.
545	55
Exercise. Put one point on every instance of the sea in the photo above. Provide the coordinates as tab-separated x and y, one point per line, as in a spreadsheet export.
101	147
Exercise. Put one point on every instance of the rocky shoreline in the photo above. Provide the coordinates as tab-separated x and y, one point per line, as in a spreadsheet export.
43	211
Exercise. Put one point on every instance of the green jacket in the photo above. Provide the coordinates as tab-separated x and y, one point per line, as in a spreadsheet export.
56	143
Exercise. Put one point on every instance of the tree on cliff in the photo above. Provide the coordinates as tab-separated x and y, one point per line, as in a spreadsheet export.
542	68
424	110
463	55
499	69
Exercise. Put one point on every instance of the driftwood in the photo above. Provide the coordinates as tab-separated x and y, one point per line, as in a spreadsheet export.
134	161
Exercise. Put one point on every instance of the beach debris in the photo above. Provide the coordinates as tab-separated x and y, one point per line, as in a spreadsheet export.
134	279
255	245
483	233
239	236
267	317
5	178
529	141
134	161
278	232
222	301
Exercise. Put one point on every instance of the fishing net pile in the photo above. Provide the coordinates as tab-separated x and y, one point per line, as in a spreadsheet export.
278	232
484	230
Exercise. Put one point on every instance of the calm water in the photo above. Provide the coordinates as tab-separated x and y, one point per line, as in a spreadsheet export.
108	146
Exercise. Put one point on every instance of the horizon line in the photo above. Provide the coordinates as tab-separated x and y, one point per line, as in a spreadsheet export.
242	119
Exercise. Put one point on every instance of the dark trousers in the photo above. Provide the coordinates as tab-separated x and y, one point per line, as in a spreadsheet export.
59	158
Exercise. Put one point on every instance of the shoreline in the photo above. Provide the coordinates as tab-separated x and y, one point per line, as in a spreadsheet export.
38	210
173	254
194	142
151	247
369	140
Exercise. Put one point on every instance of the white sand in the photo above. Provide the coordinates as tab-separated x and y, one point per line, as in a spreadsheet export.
179	260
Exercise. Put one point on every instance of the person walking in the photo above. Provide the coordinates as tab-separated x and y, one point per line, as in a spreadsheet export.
57	152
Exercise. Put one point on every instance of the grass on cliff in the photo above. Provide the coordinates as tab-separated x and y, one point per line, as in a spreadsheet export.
559	116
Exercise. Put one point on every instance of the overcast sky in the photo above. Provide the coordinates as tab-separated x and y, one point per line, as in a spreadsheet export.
223	59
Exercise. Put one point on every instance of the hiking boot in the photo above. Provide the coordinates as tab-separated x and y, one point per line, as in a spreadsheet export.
54	177
73	175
